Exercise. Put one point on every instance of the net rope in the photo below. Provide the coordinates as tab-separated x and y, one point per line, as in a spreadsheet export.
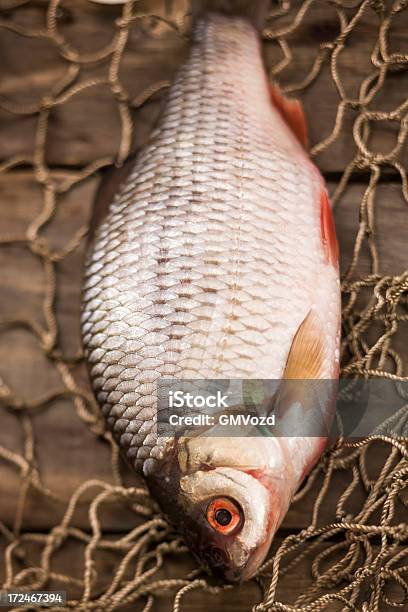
356	555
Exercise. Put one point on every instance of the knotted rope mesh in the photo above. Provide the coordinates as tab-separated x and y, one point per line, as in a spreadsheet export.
355	551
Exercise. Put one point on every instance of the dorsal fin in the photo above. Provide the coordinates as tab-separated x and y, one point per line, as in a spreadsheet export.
307	353
291	111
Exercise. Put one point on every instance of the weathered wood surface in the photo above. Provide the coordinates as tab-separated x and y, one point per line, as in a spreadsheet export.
87	126
70	560
66	446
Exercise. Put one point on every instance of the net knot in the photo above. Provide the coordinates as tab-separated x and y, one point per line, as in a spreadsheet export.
119	93
123	22
361	162
308	531
47	342
42	175
47	103
58	535
401	531
330	46
354	104
41	248
362	572
403	4
10	402
378	6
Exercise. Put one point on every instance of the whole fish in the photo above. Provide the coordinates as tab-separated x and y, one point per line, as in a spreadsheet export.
217	260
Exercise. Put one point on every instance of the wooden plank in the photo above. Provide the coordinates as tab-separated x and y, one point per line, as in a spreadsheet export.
390	211
69	560
67	452
88	125
61	434
320	26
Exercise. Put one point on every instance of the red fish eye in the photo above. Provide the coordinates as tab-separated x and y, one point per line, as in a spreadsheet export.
223	515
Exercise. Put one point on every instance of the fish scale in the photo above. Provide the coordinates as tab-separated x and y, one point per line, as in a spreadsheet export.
196	260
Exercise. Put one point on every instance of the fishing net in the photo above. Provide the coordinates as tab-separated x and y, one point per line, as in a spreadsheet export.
81	88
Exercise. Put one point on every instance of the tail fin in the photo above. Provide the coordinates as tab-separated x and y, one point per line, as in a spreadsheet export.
255	11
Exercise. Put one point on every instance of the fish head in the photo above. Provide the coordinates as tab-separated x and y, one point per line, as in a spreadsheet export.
228	514
230	520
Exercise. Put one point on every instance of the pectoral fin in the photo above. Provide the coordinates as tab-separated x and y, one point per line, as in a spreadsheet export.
307	353
301	402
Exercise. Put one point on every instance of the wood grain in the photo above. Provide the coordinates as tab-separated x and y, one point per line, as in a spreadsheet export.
88	125
70	560
68	453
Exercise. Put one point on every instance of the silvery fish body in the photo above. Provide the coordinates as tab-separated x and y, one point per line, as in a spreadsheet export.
217	260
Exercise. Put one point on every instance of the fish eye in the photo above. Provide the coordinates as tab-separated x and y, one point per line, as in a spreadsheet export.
224	515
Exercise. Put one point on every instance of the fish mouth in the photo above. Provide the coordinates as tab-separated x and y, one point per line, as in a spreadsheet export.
219	564
216	562
255	560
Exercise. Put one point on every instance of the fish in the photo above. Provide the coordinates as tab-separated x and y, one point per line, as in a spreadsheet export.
217	260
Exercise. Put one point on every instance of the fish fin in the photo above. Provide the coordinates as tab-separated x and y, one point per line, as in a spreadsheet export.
328	230
306	355
255	11
291	111
302	402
